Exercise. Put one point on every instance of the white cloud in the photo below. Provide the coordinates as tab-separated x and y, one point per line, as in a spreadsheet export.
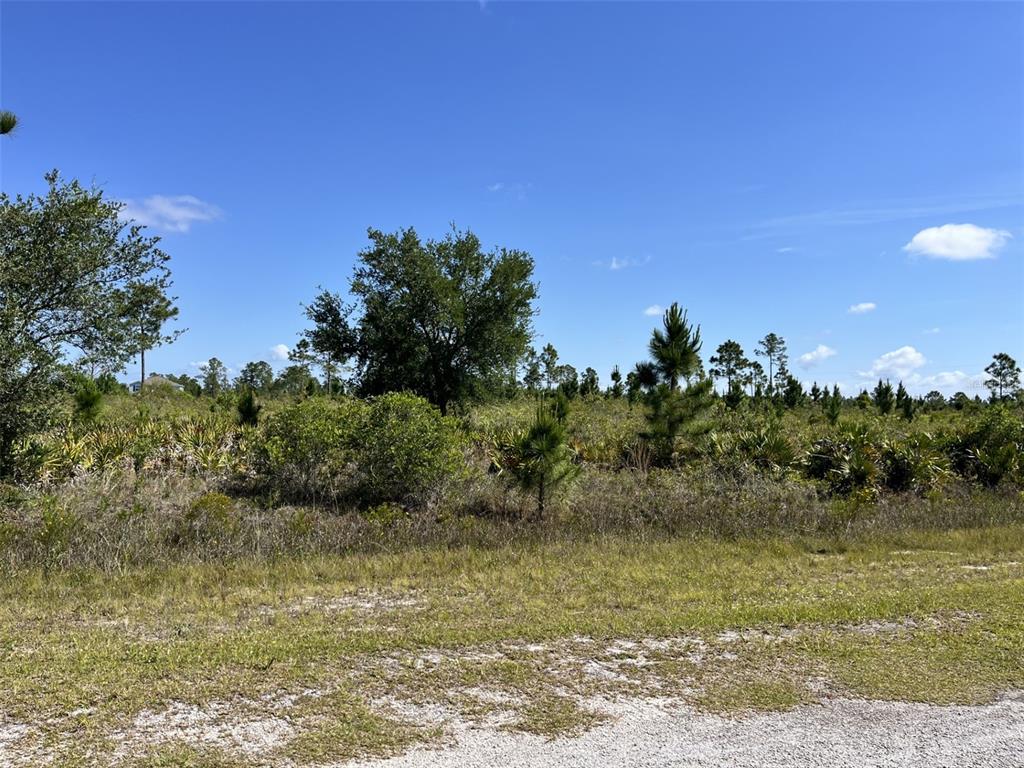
900	362
932	331
176	213
496	186
946	382
655	310
279	351
863	307
957	242
821	352
785	249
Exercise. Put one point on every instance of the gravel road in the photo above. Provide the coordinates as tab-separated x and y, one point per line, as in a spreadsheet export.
839	733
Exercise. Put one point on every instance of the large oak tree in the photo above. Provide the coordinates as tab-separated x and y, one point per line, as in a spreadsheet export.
437	317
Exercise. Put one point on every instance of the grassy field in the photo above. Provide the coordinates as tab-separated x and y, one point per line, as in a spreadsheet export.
326	658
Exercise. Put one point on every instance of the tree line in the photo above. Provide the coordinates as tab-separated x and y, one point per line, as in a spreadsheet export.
445	319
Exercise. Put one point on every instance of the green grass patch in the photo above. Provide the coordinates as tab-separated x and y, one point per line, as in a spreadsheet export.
726	626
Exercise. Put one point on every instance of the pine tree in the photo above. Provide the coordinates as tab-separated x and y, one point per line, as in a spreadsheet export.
833	405
615	390
728	363
1004	376
773	347
675	348
883	397
589	385
248	408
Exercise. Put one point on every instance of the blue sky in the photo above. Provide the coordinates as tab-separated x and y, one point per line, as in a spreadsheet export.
769	166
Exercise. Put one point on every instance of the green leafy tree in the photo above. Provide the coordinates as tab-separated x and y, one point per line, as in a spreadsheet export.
1004	376
436	317
589	384
332	339
532	374
934	401
616	389
729	363
568	381
68	268
959	401
863	400
214	376
773	347
257	376
188	383
152	309
293	380
675	348
108	384
883	397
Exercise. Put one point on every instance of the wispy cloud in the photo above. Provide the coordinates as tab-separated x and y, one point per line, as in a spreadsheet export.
174	213
785	249
279	351
891	210
900	362
932	331
819	353
862	308
655	310
625	262
958	242
517	189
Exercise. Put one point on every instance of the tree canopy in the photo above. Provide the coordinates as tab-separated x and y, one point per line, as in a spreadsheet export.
70	271
437	317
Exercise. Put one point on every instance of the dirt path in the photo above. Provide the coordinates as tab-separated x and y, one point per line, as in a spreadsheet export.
839	733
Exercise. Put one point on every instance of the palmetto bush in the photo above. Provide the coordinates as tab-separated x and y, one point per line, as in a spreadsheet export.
767	448
190	444
988	448
847	460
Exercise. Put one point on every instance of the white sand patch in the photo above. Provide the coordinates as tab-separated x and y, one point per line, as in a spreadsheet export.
219	724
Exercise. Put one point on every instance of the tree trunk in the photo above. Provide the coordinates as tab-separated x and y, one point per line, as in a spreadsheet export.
142	371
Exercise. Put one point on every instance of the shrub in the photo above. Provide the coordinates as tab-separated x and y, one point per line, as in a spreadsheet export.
407	450
309	448
211	519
